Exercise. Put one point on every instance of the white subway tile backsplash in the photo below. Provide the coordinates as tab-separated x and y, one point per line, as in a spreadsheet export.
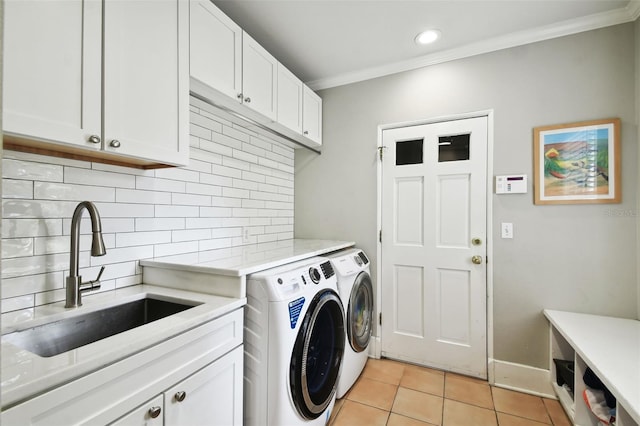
142	238
158	184
98	177
28	170
33	209
138	196
19	286
65	191
177	211
175	248
191	200
17	188
159	224
17	247
190	235
237	184
12	228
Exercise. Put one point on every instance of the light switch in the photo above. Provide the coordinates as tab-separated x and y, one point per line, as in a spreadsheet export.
507	230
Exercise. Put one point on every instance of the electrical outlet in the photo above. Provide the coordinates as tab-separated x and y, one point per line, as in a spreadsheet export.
507	230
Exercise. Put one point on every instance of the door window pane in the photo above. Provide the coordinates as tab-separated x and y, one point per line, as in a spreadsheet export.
453	148
409	152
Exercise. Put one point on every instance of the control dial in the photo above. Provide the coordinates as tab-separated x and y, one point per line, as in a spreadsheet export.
314	274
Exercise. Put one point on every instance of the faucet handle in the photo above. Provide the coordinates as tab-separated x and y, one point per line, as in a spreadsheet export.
93	284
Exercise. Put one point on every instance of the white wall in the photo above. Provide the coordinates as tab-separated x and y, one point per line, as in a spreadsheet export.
571	257
637	56
235	182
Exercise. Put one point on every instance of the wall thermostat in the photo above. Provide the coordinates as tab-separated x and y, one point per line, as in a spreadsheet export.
511	184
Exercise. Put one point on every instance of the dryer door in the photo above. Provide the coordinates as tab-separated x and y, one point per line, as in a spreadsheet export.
317	355
360	312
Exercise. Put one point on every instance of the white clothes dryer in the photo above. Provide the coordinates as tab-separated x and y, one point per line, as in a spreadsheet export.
356	291
294	340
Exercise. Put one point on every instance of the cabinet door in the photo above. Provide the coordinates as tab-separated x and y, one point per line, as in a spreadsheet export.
146	79
212	396
148	414
312	115
259	78
216	48
289	99
52	60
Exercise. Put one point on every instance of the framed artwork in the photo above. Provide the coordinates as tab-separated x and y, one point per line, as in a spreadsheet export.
577	163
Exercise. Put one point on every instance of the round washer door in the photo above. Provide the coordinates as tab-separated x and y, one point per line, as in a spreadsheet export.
317	355
360	312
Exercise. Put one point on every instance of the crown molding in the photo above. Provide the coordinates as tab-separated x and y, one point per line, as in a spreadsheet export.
573	26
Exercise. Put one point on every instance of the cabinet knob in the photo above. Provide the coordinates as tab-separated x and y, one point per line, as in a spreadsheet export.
115	143
306	132
239	96
154	412
94	139
247	100
180	396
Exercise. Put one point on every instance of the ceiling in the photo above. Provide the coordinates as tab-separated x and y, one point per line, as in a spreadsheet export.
329	43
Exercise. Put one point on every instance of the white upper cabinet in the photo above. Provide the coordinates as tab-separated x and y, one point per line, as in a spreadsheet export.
312	116
259	78
52	60
216	49
146	79
55	97
231	70
289	99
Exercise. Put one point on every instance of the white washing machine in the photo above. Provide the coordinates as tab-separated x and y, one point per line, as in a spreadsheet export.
294	339
356	292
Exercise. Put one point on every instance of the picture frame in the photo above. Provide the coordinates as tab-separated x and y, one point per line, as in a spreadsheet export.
577	163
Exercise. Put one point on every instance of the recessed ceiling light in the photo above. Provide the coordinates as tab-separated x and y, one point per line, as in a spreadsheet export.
427	37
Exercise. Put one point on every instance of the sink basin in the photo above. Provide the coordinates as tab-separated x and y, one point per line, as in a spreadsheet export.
70	333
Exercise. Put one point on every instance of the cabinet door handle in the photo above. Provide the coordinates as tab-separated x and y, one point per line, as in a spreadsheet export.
247	100
115	143
306	132
180	396
154	412
94	139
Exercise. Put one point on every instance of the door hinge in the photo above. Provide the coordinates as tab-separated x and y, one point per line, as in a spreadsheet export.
380	235
380	319
380	151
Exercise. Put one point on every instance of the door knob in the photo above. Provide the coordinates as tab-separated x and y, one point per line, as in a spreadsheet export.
154	412
476	241
476	260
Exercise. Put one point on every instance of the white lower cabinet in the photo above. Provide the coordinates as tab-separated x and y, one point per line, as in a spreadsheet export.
204	362
212	396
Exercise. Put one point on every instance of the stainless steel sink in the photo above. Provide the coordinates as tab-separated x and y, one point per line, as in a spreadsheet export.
70	333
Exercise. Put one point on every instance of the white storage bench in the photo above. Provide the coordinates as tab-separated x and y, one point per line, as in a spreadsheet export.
611	348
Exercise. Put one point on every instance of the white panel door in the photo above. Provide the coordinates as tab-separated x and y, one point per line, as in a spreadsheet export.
212	396
52	70
312	115
216	48
146	79
289	99
434	245
259	78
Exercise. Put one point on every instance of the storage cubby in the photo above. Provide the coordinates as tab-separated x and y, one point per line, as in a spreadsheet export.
611	348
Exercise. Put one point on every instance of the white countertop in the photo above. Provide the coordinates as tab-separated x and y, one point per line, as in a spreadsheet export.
25	374
245	260
611	347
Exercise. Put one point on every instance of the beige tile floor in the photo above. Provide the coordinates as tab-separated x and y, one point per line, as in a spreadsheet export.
396	394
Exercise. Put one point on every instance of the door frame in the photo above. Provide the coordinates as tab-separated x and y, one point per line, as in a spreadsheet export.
375	347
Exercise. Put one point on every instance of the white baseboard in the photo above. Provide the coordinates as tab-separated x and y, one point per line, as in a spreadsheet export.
521	378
